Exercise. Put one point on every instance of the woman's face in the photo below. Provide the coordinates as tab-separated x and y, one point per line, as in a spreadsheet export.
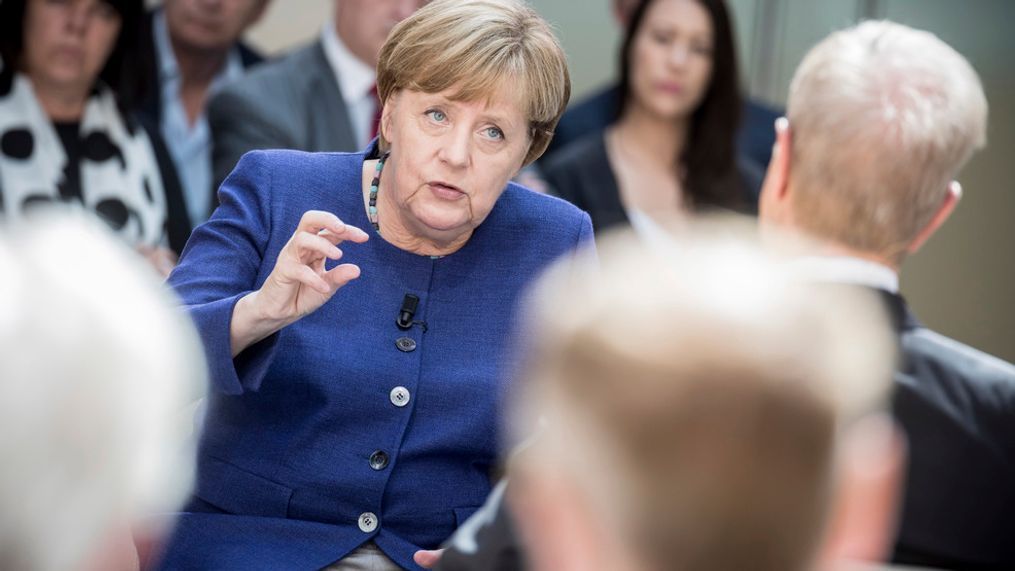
67	42
671	58
451	160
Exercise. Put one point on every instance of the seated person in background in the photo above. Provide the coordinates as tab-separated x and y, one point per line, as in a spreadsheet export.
354	420
193	49
322	97
671	149
96	371
597	111
69	76
688	424
881	119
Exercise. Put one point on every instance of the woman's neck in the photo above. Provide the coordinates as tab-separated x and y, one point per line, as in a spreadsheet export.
61	104
398	227
647	135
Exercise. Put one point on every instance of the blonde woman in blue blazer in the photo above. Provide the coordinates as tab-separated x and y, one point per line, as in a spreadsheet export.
355	307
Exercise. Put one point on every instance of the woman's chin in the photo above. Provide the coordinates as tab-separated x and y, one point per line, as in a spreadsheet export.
443	221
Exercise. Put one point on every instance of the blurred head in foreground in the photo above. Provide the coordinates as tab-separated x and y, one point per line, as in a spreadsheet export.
97	366
702	409
881	119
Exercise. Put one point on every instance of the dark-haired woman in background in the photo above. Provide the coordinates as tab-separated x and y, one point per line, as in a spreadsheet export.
69	71
672	147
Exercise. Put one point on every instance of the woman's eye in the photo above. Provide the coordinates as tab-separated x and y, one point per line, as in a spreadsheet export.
702	49
661	37
437	115
105	10
493	133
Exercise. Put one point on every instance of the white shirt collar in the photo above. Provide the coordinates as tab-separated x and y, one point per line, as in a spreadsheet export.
355	79
847	270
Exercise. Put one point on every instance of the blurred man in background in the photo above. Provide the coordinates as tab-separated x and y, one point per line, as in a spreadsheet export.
194	51
319	98
691	423
881	118
96	371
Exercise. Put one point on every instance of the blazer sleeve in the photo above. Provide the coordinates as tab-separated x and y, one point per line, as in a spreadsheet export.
221	264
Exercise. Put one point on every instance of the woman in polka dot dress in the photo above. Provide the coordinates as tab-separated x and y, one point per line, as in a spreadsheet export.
68	75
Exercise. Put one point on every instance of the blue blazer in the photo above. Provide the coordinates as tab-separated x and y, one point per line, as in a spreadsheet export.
342	428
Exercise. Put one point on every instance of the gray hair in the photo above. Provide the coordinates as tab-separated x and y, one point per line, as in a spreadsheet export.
883	117
97	368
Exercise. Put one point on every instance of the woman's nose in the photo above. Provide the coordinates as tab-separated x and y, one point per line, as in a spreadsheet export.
679	55
77	17
455	147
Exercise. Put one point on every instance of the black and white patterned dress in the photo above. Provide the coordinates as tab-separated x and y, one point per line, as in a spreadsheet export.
113	168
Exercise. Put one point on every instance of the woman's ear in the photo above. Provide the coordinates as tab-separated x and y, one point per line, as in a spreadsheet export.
390	106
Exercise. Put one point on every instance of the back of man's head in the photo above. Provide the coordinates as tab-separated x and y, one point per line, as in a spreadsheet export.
97	367
695	400
882	119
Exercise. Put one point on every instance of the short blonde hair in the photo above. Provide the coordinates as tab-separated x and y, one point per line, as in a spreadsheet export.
693	395
479	47
883	117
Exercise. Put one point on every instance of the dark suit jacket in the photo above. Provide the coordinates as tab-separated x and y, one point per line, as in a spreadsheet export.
957	407
582	175
291	103
595	113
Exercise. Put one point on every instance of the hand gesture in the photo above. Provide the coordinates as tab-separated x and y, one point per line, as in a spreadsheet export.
299	283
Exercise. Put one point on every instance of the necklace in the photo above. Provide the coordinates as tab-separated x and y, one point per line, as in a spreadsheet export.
374	185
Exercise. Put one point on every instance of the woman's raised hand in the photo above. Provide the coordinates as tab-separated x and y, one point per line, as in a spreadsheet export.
299	282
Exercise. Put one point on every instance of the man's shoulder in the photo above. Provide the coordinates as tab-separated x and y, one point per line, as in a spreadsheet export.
930	346
957	376
282	79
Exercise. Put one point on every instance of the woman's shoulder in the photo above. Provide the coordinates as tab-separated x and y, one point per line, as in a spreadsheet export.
587	151
292	182
520	208
303	161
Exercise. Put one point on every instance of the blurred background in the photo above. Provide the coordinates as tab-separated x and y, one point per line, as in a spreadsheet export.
961	283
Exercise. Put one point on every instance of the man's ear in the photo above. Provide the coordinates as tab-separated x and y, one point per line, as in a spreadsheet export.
870	470
951	200
773	202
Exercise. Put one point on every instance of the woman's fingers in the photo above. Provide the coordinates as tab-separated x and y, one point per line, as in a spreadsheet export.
341	275
328	225
350	233
314	244
308	277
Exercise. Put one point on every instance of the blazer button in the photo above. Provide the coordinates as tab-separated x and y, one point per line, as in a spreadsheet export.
405	344
379	460
400	396
367	522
